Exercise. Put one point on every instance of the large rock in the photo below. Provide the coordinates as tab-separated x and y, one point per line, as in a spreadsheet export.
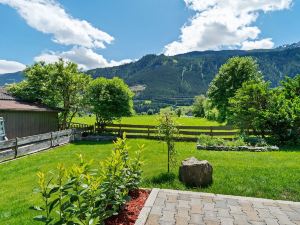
195	173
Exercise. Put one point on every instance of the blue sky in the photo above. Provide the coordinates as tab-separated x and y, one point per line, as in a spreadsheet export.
111	32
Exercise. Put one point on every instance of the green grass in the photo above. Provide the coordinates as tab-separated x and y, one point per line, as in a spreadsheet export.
273	175
152	120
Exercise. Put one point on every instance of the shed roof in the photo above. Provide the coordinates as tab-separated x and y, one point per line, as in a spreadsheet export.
10	103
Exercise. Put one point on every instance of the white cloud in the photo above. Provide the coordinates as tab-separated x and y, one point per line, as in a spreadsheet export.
10	66
261	44
49	17
224	24
84	57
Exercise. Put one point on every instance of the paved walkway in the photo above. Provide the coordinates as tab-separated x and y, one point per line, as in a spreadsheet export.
182	208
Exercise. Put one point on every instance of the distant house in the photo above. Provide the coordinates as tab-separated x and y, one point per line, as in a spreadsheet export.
25	119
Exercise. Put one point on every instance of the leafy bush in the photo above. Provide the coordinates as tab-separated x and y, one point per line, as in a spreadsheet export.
82	195
206	140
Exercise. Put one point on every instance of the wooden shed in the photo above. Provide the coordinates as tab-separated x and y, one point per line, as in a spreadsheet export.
23	119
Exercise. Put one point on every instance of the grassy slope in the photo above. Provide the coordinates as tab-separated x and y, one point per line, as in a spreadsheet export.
269	175
152	120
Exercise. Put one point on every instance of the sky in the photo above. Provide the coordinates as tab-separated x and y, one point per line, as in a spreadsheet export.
104	33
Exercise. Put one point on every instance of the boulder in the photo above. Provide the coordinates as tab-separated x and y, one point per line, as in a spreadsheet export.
195	173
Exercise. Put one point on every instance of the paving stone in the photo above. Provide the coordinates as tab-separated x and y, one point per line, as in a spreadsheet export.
211	222
293	215
171	198
159	201
257	222
196	209
196	218
185	197
182	220
183	204
209	207
284	220
223	213
270	221
172	207
153	220
221	204
226	221
156	210
265	213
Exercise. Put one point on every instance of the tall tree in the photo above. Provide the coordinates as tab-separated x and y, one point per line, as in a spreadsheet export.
248	106
59	85
110	99
229	79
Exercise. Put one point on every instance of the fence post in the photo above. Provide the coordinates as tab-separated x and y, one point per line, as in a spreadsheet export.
120	131
16	148
51	140
148	132
211	131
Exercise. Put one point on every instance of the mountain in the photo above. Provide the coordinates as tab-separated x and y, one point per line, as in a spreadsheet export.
9	78
187	75
181	77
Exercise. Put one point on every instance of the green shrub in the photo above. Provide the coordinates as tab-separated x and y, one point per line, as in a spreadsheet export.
206	140
82	195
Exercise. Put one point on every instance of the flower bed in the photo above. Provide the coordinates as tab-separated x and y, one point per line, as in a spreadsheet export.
239	148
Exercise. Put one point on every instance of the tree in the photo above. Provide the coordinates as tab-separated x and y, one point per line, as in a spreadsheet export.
283	114
110	99
257	107
178	112
58	85
248	106
229	79
199	106
168	131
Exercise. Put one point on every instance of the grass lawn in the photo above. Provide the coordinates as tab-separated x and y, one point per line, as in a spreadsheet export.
273	175
152	120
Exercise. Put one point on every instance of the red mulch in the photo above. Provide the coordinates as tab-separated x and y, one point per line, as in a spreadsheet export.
132	209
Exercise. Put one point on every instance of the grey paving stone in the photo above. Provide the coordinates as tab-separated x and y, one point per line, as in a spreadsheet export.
196	218
181	207
227	221
270	221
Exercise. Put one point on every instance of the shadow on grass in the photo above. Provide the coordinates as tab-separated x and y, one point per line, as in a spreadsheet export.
162	178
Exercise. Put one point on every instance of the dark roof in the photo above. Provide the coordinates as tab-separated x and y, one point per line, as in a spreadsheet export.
10	103
5	96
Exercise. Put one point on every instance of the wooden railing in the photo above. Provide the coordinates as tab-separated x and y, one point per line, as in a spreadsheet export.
82	127
18	147
186	133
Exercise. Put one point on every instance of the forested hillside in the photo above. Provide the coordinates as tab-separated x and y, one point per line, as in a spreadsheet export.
184	76
189	74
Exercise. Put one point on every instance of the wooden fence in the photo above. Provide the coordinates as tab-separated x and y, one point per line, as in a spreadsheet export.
18	147
82	127
186	133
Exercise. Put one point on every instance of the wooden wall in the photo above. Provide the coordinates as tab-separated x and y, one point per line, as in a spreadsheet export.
22	124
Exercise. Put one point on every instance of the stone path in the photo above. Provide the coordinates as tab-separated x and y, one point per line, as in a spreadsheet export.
165	207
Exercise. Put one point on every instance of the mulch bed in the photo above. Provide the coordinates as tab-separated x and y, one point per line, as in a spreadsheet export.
132	209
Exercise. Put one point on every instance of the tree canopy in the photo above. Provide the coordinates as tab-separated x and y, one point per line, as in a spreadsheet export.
261	109
58	85
110	99
229	79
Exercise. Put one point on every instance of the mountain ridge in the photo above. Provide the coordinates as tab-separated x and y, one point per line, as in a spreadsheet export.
186	75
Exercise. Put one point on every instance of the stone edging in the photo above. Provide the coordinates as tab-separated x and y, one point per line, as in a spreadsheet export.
240	148
147	207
